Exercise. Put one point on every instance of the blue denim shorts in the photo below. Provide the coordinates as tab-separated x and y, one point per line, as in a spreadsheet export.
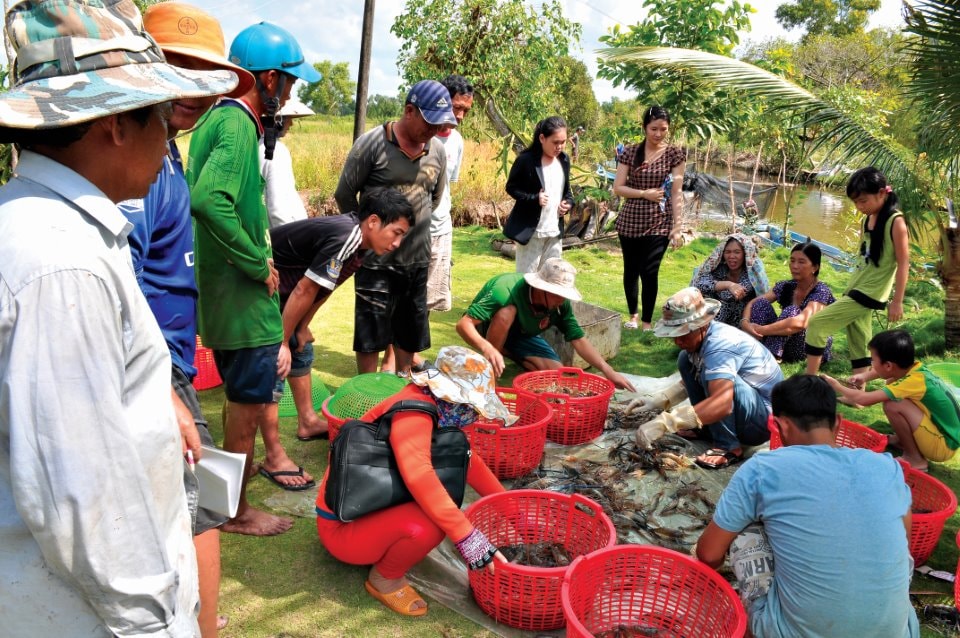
250	374
300	362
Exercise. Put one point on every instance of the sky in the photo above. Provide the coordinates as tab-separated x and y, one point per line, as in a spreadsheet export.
331	30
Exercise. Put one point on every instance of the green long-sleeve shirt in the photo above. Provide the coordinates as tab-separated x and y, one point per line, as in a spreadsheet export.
232	233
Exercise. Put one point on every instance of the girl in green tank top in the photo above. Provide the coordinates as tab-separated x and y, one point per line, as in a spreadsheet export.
883	267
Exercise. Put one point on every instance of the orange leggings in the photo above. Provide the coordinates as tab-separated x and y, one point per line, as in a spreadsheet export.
394	539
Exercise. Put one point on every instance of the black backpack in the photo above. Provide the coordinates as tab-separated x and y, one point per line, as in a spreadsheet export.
364	476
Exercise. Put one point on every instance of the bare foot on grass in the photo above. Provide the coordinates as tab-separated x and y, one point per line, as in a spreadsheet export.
311	426
254	522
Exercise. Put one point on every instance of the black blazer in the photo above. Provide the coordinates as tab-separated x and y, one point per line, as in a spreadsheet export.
524	185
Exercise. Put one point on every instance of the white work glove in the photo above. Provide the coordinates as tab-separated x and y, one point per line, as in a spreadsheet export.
682	418
662	400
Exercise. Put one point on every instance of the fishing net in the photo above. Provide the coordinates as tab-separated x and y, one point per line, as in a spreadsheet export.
712	196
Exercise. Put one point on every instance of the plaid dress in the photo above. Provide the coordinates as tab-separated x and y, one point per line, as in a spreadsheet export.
639	216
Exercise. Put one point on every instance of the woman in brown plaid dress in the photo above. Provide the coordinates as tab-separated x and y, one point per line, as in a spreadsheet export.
650	179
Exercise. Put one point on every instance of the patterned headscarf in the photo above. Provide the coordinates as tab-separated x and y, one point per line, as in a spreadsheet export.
464	379
751	262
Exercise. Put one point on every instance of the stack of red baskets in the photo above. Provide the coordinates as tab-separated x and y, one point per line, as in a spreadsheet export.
933	504
527	597
512	451
575	419
207	374
849	434
645	590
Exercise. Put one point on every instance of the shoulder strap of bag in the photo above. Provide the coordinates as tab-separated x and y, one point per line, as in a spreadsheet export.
385	420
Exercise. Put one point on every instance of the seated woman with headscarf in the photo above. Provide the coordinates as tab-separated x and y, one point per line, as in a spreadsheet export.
733	274
800	298
395	539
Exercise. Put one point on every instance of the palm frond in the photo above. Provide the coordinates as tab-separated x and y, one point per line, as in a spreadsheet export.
845	140
935	82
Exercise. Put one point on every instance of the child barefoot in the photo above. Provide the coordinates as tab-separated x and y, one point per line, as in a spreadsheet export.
921	409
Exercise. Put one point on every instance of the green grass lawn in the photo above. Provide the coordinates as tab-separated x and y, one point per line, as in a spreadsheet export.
289	586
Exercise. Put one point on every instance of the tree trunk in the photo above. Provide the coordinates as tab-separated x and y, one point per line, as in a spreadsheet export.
500	124
950	275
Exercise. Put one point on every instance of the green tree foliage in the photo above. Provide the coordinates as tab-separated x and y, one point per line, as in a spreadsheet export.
510	50
381	108
143	4
705	25
333	94
831	17
576	100
873	60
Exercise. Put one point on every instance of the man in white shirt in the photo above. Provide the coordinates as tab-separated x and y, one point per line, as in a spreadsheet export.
279	186
441	223
94	527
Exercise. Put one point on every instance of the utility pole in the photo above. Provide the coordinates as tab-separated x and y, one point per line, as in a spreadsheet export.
363	77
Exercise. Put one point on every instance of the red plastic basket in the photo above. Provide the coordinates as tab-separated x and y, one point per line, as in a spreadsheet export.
526	597
334	423
956	580
933	504
207	374
575	419
512	451
650	589
850	434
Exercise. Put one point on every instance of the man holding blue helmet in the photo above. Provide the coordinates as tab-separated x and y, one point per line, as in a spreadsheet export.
239	311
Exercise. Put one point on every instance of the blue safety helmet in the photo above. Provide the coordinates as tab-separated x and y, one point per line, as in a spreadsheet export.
266	46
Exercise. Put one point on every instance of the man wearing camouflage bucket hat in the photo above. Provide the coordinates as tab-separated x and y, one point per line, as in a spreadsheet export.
94	522
727	375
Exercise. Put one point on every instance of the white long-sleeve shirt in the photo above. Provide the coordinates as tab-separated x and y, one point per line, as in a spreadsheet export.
94	531
279	187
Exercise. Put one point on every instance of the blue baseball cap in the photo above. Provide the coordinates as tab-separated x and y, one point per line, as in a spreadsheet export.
433	100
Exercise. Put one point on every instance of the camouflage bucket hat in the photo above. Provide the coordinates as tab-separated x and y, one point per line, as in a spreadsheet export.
82	60
461	375
684	312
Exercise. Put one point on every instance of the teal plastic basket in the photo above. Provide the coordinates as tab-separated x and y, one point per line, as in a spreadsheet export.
318	393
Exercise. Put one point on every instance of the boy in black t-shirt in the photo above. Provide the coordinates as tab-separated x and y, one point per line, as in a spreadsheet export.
313	257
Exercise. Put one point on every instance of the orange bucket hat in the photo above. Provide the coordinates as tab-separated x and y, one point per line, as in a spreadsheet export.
184	29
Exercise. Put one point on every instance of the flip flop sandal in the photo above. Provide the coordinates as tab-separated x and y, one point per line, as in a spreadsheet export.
400	601
727	458
630	325
314	437
272	476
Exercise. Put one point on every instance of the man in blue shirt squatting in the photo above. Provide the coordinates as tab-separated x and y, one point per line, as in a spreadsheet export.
726	373
95	529
313	257
817	534
161	248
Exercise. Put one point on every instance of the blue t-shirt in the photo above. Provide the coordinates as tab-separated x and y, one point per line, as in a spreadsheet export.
161	247
834	518
727	353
